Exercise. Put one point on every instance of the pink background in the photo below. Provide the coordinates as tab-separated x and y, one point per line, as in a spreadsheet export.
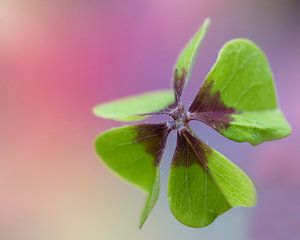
59	58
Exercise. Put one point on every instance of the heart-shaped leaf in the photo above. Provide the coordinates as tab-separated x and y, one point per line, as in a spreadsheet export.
186	59
134	153
203	184
135	107
238	97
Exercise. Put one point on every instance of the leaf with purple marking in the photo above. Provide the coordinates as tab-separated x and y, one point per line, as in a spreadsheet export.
186	59
203	184
135	107
134	153
237	99
238	96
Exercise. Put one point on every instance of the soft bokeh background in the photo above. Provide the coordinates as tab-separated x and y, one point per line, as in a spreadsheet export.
58	58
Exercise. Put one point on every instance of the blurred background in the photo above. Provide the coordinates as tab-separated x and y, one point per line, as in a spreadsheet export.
59	58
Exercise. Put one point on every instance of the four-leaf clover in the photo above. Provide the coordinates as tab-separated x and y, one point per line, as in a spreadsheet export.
237	99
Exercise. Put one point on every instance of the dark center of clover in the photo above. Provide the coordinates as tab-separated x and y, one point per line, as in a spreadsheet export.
180	119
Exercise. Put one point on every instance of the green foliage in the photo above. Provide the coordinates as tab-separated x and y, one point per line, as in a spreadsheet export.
244	80
136	107
128	158
187	57
131	152
237	99
257	126
198	194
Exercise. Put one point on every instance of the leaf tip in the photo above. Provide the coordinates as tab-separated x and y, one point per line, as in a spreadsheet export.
207	22
142	222
289	129
94	111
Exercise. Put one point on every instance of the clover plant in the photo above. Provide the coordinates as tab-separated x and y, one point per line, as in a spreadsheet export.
237	99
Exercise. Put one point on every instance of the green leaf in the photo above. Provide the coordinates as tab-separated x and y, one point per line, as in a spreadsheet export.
135	107
203	184
235	185
186	59
151	200
134	153
257	127
239	96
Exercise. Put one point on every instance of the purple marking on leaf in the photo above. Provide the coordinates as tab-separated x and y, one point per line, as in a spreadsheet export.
208	108
179	82
190	150
154	138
